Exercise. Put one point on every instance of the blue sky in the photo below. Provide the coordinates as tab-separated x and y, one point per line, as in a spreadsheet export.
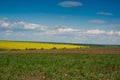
71	21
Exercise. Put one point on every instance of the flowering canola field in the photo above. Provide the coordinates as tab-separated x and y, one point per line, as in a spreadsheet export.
32	45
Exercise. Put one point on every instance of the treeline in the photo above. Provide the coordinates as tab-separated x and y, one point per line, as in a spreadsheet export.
42	48
3	49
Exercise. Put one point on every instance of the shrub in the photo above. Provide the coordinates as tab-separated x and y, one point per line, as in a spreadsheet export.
64	48
54	48
42	48
26	48
32	49
14	49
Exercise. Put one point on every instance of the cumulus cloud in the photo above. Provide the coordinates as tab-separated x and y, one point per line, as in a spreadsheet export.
96	31
117	32
60	30
97	21
12	29
105	13
70	4
41	29
65	29
44	30
8	32
31	25
5	23
24	25
102	32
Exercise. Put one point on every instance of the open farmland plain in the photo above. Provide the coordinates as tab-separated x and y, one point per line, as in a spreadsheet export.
59	66
71	63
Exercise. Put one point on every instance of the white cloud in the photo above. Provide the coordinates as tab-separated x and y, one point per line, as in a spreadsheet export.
24	25
5	24
70	4
105	13
102	32
8	32
65	29
97	21
54	33
60	30
31	25
110	32
117	32
96	31
113	33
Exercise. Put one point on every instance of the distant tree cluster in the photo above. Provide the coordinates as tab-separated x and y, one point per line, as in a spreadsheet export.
42	48
14	49
30	48
54	48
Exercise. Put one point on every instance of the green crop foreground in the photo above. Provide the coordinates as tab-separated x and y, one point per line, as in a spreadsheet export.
59	66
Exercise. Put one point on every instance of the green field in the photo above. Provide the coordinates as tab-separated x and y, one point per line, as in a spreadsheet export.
59	66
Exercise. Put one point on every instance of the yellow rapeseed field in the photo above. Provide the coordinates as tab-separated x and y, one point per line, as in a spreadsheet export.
31	45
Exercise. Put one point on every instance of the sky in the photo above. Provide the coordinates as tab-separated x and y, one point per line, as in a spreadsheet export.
68	21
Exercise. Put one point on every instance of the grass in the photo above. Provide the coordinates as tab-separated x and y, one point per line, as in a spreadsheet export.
59	66
15	45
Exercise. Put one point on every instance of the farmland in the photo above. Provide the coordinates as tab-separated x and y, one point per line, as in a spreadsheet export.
66	62
32	45
59	66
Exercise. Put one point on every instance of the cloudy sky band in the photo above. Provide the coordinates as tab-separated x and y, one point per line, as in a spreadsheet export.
78	21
